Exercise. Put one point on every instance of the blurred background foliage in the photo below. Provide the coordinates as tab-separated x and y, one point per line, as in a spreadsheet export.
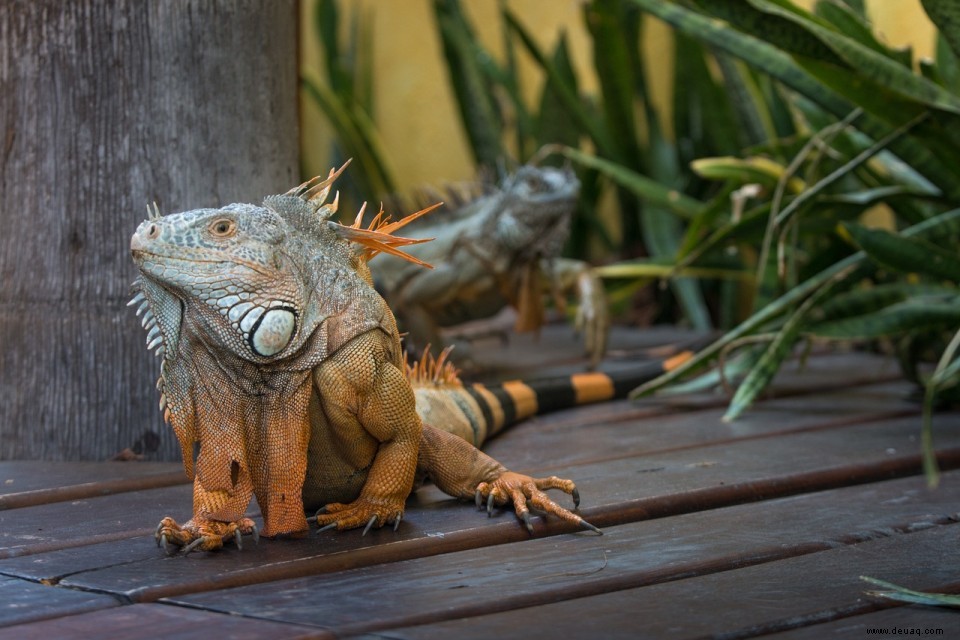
800	182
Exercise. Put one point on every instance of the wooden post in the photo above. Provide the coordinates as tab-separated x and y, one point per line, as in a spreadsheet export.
105	106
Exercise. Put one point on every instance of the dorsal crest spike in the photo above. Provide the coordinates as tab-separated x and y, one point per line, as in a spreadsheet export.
378	236
316	192
432	370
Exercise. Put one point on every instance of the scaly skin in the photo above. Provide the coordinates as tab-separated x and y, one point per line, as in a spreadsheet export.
284	365
500	248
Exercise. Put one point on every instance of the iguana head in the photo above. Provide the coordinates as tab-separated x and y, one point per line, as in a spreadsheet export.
535	207
232	263
255	276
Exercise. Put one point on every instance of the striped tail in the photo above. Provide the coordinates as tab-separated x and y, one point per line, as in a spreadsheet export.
477	411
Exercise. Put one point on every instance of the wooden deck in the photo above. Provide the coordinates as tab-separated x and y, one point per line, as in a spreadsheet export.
759	528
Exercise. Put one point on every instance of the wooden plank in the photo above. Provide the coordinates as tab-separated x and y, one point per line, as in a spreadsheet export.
25	484
913	621
139	621
76	523
568	568
614	491
623	429
81	521
22	601
733	603
619	492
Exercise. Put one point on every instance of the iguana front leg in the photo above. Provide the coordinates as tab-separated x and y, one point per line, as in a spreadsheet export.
461	470
370	405
217	519
575	276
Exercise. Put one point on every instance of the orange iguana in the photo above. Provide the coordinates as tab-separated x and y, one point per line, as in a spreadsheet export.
283	366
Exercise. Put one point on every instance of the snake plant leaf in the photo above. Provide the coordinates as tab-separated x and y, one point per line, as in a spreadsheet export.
862	301
902	594
650	268
703	121
778	350
948	65
556	125
778	64
754	170
945	14
868	63
786	35
644	187
897	319
594	127
844	19
947	222
906	255
753	119
356	132
615	73
477	109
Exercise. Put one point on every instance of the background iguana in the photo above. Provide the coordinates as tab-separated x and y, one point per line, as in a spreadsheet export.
500	247
281	362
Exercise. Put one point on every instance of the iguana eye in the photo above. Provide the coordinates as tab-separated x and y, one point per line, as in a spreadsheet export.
223	227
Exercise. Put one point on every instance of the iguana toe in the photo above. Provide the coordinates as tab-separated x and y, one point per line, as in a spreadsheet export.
527	493
202	534
361	512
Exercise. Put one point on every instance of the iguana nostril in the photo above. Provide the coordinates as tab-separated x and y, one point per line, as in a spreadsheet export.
153	231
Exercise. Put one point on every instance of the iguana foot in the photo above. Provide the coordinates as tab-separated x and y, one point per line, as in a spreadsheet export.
362	512
203	534
523	490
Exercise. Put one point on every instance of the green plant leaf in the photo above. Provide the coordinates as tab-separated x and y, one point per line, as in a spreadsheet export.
845	20
556	125
868	63
604	20
745	171
782	66
645	188
902	594
478	112
906	255
945	14
779	348
897	319
864	300
593	126
944	223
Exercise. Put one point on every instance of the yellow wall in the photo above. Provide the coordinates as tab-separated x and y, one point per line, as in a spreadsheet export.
416	112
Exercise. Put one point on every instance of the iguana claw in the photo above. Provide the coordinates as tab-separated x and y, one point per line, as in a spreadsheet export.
205	535
526	493
361	512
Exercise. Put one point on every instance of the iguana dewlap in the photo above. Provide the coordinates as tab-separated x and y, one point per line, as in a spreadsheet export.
283	367
497	248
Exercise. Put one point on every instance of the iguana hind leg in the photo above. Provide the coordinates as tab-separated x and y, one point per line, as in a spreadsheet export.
460	469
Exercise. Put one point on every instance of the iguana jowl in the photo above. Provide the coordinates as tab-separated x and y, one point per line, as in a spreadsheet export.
284	365
499	248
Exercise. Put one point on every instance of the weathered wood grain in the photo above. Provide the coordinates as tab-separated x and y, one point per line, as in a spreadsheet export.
735	603
65	525
104	107
27	484
615	493
22	601
569	568
140	621
913	621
